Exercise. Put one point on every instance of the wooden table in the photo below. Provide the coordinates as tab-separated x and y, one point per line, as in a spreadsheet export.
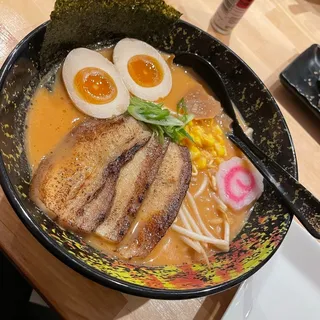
271	34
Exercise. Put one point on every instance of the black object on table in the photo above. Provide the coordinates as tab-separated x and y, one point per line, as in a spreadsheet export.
302	78
15	294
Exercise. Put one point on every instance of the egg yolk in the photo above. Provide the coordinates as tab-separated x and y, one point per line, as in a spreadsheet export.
145	71
95	86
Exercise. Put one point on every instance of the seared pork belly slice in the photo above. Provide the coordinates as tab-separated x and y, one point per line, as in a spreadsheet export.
76	183
133	182
161	204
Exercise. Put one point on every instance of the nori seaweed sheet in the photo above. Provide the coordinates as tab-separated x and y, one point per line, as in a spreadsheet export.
76	23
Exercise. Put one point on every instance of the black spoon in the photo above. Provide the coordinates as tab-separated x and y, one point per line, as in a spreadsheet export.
296	197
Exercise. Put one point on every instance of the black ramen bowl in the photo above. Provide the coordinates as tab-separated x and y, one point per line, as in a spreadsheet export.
254	245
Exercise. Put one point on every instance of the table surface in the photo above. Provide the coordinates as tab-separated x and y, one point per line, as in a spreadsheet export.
268	38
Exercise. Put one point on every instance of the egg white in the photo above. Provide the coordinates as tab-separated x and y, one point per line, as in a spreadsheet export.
127	48
81	58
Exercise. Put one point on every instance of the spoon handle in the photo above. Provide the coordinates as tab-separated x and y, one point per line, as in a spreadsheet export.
295	196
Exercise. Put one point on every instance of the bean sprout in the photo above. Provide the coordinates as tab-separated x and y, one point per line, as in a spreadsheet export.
190	219
202	187
196	245
214	183
221	205
188	216
226	231
195	209
221	244
205	256
193	244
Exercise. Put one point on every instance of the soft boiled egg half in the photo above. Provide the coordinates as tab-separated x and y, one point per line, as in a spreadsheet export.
94	85
142	69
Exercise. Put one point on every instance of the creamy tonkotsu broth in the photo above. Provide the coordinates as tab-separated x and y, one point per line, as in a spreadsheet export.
52	115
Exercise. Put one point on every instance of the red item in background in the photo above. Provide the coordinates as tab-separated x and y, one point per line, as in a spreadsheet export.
228	14
244	4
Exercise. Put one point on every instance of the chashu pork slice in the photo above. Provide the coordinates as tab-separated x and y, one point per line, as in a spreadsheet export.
133	182
76	183
161	204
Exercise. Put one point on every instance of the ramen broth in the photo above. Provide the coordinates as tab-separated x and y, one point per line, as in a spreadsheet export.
54	113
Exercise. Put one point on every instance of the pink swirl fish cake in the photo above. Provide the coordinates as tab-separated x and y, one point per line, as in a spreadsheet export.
239	183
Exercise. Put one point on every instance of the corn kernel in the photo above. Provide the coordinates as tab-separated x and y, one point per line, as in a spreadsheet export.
220	139
197	140
189	125
195	152
201	163
221	150
208	140
208	148
194	138
198	130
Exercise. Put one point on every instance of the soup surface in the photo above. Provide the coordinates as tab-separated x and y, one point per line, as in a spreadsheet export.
52	115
